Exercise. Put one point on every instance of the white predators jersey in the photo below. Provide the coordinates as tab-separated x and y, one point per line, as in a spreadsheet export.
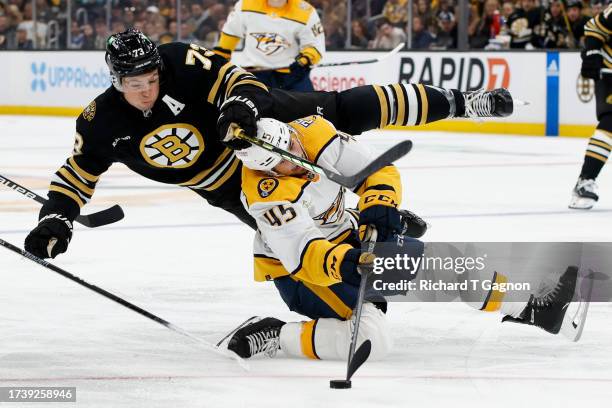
273	37
302	223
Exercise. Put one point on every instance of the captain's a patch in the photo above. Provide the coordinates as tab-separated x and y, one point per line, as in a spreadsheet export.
267	186
90	111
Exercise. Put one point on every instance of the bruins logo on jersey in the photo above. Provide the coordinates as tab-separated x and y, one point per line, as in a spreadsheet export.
90	111
585	88
270	43
177	145
267	186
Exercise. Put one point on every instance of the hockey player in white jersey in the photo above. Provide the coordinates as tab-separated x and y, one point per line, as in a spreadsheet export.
283	34
308	244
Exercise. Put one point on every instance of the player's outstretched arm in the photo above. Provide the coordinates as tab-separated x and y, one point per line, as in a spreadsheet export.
596	33
72	186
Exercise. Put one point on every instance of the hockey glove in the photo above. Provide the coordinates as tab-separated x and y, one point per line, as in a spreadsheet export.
386	219
298	70
592	62
354	263
50	238
237	111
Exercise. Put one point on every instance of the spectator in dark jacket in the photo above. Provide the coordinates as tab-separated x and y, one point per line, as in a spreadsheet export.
421	38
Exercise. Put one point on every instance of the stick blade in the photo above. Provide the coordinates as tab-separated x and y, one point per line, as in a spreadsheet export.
396	152
360	357
104	217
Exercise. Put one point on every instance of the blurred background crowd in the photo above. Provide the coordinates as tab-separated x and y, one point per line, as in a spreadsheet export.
348	24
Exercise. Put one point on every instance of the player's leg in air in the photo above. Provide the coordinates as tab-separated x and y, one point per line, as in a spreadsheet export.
369	107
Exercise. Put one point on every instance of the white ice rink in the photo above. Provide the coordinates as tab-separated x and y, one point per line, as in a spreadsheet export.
191	264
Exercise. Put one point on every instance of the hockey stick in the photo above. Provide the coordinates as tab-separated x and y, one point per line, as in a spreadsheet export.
124	303
389	156
97	219
338	64
357	358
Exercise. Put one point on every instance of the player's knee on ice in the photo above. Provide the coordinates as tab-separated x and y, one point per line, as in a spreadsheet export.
330	339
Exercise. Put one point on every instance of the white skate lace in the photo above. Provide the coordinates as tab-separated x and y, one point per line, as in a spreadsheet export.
478	104
264	342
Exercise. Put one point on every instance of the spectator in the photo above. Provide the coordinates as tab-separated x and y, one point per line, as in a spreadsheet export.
76	36
447	34
396	12
552	33
89	39
23	42
421	38
335	37
101	34
489	25
7	33
424	12
387	36
197	17
359	38
522	23
597	7
576	22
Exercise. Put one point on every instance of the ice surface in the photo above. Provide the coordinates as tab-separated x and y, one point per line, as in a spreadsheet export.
191	264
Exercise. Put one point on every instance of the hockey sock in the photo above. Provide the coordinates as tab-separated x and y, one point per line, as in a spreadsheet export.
375	106
596	155
417	104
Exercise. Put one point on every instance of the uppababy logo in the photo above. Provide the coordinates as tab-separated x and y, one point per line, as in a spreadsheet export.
47	76
38	82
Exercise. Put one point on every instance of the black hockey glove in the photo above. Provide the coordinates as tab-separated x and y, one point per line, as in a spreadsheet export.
592	62
298	70
355	261
50	238
386	219
237	111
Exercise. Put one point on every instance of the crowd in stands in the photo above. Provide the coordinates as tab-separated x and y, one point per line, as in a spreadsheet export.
373	24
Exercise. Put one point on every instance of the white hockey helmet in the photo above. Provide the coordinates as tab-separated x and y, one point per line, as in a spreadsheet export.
271	131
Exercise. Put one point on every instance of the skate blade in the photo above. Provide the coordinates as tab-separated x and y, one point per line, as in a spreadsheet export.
229	335
579	203
575	317
518	102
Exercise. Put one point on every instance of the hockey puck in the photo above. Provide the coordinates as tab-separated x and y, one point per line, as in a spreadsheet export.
340	384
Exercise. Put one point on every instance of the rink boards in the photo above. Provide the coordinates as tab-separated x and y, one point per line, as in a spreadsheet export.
561	102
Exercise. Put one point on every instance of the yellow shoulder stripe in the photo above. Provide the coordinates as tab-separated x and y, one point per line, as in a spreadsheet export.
316	133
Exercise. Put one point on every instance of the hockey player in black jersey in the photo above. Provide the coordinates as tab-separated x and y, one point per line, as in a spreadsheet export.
596	55
169	113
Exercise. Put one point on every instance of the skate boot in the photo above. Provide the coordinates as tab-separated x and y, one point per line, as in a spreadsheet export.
485	104
547	311
412	225
262	336
584	195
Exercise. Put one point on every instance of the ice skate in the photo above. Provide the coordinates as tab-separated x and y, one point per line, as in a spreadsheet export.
550	311
262	336
584	196
486	104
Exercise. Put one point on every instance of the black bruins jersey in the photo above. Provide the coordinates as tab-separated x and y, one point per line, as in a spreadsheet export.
597	35
176	142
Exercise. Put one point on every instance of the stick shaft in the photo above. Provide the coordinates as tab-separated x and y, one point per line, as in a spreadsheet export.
370	235
118	300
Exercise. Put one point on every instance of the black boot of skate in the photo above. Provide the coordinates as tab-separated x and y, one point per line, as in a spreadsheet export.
262	336
485	104
547	311
412	225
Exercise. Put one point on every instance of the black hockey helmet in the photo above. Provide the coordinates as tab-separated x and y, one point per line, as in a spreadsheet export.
130	53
